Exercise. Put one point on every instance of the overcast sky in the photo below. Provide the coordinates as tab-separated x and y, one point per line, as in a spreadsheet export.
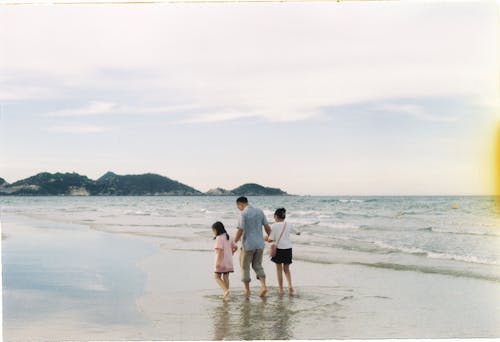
359	98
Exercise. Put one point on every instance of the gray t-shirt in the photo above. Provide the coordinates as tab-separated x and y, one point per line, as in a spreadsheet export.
251	221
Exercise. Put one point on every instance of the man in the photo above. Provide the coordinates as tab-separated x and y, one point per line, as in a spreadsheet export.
250	227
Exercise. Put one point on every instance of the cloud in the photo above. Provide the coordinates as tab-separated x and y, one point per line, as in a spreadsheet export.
103	108
191	113
274	63
283	114
78	129
416	111
93	108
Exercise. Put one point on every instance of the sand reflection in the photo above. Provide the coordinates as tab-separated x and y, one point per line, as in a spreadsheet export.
254	319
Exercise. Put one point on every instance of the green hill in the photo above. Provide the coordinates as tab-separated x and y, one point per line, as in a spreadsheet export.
249	189
50	184
146	184
252	189
111	184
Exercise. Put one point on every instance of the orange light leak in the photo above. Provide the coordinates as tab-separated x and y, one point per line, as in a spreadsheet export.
497	168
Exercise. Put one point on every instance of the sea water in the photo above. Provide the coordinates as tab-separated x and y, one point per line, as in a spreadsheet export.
424	236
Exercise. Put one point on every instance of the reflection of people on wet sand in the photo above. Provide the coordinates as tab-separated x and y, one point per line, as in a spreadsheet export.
253	321
222	325
250	228
283	259
224	250
281	322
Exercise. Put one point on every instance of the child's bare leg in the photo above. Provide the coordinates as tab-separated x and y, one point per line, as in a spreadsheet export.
226	282
279	273
220	282
288	276
247	289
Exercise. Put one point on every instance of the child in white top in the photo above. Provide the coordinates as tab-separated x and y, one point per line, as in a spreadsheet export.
280	232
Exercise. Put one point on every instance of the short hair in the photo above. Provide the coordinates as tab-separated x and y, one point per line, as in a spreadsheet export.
242	199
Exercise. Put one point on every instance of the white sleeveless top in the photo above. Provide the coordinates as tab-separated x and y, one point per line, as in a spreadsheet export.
276	229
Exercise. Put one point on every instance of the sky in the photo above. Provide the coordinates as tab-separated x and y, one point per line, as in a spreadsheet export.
317	98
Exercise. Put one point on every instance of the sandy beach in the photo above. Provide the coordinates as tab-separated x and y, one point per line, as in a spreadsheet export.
66	281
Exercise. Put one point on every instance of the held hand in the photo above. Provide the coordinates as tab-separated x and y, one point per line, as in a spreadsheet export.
266	238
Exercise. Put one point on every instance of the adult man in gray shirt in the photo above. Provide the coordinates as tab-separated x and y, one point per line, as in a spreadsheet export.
250	227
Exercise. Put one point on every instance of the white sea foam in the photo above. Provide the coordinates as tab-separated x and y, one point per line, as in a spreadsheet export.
465	258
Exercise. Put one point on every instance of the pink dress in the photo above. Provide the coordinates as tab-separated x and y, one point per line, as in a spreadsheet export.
221	242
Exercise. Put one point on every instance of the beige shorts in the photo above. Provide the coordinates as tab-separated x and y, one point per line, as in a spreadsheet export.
253	258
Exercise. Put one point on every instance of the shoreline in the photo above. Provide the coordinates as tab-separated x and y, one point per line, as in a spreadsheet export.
180	301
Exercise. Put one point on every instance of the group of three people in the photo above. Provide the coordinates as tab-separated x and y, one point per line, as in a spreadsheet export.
249	230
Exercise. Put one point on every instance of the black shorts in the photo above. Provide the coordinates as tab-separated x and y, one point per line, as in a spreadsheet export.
283	256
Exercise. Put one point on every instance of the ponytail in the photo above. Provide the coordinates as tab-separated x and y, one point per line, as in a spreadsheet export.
280	213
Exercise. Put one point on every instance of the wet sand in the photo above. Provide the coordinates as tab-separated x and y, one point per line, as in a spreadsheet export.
69	282
331	302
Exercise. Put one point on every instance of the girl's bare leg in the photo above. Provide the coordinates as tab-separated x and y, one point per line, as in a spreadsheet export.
220	282
279	273
288	276
226	282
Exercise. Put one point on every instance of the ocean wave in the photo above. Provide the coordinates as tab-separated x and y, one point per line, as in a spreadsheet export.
329	200
343	243
395	249
465	258
351	201
348	200
302	213
410	213
306	224
378	228
382	247
434	255
429	269
138	213
342	214
338	225
443	231
402	267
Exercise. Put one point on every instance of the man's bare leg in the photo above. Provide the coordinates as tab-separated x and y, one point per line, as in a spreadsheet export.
247	289
263	290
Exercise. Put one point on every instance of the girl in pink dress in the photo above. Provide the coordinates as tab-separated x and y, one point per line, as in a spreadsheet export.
224	250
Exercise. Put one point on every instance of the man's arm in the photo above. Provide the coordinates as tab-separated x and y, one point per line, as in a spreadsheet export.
267	228
239	233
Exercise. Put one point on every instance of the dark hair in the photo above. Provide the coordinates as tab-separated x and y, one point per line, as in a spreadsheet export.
242	199
281	213
219	229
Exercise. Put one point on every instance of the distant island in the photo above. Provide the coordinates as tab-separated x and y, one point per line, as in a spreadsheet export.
111	184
